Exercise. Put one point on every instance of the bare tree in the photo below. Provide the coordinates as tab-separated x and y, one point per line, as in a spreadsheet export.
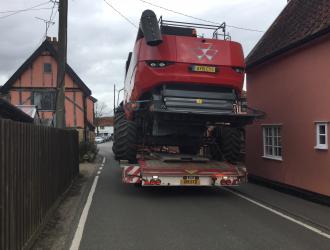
99	110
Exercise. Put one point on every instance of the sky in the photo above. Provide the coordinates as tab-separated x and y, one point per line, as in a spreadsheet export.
99	38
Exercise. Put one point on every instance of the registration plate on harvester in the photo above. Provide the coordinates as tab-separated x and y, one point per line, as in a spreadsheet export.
200	68
190	180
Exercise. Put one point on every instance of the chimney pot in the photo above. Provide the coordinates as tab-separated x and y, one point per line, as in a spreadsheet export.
48	38
54	39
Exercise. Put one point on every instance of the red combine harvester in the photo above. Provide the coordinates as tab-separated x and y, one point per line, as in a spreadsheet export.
182	94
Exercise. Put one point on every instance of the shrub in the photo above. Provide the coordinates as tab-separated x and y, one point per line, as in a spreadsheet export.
87	151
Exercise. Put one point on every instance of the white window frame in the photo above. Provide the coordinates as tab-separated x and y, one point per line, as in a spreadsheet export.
275	144
318	135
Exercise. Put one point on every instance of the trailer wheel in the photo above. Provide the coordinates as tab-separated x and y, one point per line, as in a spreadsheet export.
124	145
191	150
231	144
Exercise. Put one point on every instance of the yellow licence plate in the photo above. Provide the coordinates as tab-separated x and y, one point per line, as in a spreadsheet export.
189	182
199	68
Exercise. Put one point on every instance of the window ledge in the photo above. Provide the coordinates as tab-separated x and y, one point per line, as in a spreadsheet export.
321	121
321	147
272	158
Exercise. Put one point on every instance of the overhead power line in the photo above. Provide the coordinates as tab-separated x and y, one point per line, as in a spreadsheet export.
126	18
14	12
50	21
199	19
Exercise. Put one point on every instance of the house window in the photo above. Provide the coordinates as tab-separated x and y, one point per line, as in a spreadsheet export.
321	135
47	68
44	100
272	142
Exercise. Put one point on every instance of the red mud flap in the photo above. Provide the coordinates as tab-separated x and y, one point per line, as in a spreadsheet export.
132	174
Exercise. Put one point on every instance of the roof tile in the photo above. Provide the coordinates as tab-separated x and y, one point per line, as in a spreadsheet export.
299	22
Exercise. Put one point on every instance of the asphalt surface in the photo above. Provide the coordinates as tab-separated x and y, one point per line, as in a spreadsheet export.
122	216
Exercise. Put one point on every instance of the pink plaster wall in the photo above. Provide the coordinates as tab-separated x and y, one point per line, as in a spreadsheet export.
79	112
69	110
14	97
90	110
25	97
293	91
47	114
23	100
35	77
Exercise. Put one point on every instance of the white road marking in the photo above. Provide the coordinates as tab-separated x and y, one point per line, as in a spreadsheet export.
103	161
98	172
80	229
315	230
101	168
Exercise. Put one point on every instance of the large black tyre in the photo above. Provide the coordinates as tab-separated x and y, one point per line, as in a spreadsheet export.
231	144
215	152
124	145
191	150
118	116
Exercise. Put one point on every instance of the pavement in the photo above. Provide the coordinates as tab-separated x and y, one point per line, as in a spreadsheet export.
60	229
122	216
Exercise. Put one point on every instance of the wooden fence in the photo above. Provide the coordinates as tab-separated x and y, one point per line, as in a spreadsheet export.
37	165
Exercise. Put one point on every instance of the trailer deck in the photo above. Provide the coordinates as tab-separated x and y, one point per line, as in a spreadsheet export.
159	169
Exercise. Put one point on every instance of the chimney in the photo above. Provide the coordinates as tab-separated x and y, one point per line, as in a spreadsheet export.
48	38
54	39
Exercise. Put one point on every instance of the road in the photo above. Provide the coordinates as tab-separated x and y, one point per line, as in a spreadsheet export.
125	217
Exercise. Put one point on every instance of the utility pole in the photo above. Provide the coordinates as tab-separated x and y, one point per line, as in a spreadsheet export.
61	63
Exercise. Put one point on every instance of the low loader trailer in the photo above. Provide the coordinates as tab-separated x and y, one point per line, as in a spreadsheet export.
173	169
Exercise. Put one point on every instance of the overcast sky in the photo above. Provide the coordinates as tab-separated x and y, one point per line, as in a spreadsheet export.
99	39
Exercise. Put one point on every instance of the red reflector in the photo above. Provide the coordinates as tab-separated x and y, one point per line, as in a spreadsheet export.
155	182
